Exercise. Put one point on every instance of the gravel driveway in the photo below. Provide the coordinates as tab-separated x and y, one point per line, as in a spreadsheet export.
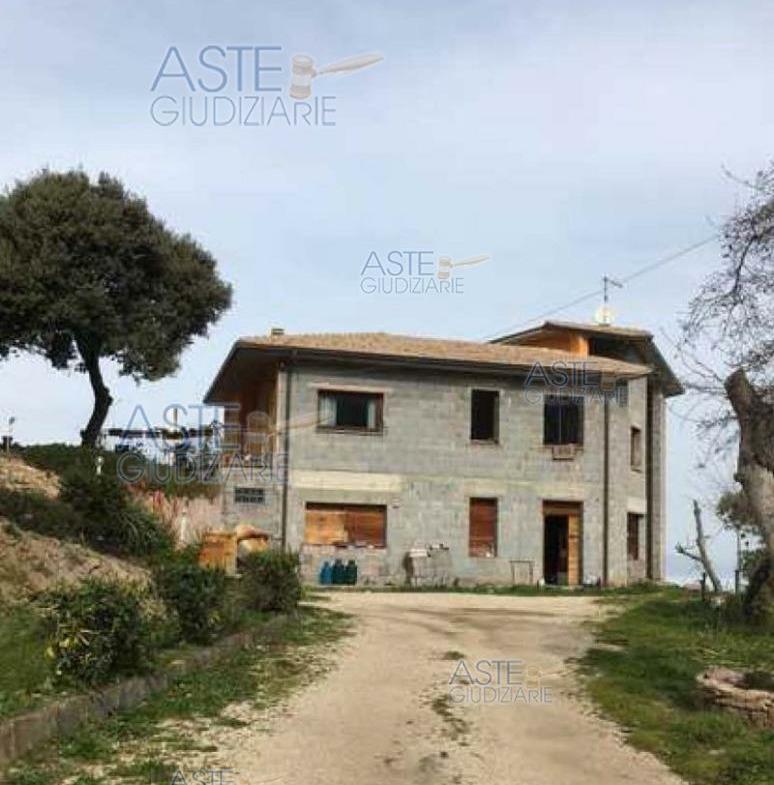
387	713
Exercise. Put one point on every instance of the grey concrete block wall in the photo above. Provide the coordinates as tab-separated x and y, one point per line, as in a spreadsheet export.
424	468
266	515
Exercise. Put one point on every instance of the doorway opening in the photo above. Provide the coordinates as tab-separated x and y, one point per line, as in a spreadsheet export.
562	543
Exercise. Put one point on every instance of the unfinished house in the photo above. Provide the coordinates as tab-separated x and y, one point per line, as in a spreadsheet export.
536	457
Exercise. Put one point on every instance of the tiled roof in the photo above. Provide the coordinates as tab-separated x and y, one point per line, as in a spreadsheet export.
582	327
602	329
387	345
640	338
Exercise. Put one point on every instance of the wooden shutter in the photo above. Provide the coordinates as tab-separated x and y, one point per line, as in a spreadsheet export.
366	525
483	527
325	525
329	524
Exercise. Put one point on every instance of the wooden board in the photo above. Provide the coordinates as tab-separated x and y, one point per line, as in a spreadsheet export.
357	524
482	538
325	526
219	549
573	549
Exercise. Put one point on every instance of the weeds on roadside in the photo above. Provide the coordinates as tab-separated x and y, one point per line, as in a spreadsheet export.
170	725
646	681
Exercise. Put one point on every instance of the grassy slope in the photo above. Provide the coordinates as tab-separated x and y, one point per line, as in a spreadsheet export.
648	686
143	746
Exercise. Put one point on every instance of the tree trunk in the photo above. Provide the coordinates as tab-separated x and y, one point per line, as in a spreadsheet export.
702	546
703	556
102	398
755	467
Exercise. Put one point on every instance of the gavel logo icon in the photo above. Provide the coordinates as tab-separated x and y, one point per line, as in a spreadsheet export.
445	264
303	71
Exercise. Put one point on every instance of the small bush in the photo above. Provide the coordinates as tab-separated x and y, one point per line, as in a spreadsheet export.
195	595
112	518
68	459
37	512
96	630
270	581
146	474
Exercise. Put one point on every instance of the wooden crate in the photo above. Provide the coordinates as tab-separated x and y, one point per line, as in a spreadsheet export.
219	549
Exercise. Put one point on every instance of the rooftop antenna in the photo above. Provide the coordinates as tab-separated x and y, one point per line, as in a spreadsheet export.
604	314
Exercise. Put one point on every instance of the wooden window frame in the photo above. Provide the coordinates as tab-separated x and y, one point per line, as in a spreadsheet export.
378	397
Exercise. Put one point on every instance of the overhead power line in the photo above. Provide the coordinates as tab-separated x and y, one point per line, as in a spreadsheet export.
647	268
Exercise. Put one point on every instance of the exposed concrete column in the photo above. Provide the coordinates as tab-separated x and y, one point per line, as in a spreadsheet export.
657	468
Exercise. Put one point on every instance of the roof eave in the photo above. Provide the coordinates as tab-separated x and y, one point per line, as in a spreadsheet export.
286	352
671	385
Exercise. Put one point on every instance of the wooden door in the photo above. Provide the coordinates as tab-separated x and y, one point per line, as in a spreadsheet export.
571	514
573	549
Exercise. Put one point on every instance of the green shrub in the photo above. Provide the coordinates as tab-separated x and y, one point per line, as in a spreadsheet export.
96	630
195	595
146	474
68	459
112	518
270	581
40	513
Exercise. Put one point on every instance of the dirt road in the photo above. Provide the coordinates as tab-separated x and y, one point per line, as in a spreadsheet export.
385	714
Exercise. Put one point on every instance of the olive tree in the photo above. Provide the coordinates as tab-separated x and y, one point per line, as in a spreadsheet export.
733	316
88	273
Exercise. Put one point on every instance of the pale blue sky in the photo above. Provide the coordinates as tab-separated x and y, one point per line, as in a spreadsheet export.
566	140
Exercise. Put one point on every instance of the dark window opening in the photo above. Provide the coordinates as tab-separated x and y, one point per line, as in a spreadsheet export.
563	420
482	539
249	495
350	410
633	536
484	415
636	448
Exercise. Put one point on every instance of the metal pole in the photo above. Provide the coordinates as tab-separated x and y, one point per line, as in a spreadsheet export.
11	421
